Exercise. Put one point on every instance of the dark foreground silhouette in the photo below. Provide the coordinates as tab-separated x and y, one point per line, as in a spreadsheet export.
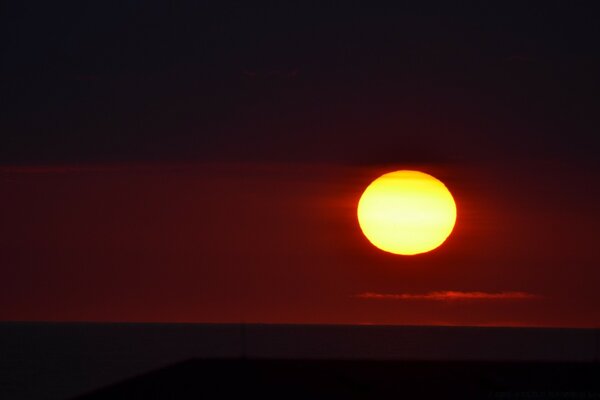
319	379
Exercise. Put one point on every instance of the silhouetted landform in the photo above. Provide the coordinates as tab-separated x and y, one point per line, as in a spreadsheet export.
64	360
353	379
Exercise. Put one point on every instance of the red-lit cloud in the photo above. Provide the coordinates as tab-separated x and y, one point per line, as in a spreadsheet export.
66	169
449	295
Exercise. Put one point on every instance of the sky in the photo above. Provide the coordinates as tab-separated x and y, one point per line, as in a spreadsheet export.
180	162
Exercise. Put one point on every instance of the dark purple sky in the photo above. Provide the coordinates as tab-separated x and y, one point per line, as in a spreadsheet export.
170	161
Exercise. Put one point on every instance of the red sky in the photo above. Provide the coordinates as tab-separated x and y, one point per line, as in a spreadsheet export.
280	243
187	161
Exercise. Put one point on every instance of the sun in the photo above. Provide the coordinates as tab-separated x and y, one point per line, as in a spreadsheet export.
406	212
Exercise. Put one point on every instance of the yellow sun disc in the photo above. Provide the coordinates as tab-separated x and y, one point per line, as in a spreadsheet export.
406	212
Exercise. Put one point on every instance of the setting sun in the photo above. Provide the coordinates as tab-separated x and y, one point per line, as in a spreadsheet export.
406	212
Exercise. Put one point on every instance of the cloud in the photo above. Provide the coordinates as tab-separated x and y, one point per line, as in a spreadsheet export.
69	169
49	169
449	295
278	74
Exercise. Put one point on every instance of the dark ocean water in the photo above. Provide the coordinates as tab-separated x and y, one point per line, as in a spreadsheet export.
63	360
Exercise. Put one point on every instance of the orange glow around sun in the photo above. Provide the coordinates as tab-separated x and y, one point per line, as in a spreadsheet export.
406	212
